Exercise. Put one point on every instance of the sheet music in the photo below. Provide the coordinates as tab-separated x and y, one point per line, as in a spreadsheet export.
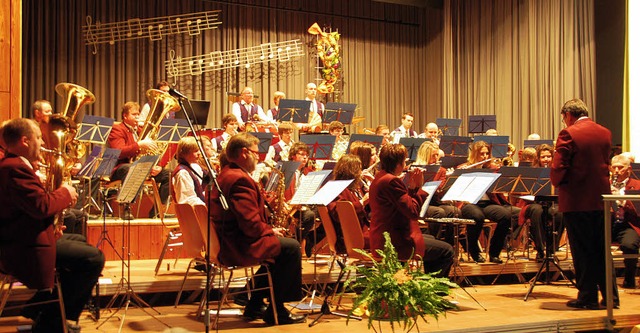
430	188
329	191
308	187
470	187
138	173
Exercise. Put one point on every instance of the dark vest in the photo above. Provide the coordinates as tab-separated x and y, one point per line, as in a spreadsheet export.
245	115
197	182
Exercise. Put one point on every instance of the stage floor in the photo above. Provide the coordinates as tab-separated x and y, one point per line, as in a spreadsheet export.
506	311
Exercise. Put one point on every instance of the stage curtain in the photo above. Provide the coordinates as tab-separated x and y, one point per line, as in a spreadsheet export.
519	60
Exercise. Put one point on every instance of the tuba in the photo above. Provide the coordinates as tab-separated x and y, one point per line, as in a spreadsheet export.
64	150
161	104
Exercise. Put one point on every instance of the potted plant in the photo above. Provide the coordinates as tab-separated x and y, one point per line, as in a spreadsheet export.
393	291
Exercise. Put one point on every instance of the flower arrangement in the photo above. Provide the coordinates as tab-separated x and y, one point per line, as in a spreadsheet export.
391	290
329	52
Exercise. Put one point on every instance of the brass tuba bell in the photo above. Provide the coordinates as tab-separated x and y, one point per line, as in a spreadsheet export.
161	104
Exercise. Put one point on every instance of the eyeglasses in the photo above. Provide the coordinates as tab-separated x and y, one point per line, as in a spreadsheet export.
302	154
254	151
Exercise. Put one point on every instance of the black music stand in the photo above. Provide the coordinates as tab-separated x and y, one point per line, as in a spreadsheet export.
480	124
550	256
497	143
412	145
172	130
342	112
449	126
635	171
264	143
452	161
94	129
536	143
131	187
294	110
105	165
320	145
455	145
375	140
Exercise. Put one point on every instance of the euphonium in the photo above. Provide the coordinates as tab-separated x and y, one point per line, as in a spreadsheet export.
161	104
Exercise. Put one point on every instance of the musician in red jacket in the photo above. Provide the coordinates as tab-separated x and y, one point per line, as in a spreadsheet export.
30	247
246	238
626	223
580	173
395	208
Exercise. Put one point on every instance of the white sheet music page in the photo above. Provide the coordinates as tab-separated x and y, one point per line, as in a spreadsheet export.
309	185
470	187
329	191
430	188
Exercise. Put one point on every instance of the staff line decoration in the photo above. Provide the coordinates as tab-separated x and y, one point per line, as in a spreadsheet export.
220	60
152	28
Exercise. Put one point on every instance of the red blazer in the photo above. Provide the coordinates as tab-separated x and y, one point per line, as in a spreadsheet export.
395	209
580	169
630	212
245	236
27	241
121	137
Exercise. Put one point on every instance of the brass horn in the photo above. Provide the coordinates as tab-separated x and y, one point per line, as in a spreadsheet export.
315	29
161	104
77	97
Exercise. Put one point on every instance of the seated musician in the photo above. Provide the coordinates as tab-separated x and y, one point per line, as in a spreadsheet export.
528	157
533	212
246	238
31	247
279	151
491	206
124	136
431	131
366	152
144	112
395	208
187	178
349	167
315	111
626	223
230	125
272	114
299	152
247	111
336	129
429	154
385	132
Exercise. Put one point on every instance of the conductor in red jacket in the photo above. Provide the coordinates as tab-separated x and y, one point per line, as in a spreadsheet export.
395	208
246	238
580	172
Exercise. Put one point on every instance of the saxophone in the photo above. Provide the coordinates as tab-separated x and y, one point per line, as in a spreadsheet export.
280	211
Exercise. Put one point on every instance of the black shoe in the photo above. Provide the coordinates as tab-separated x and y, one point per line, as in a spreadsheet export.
495	260
478	258
616	304
578	304
629	284
241	299
33	311
284	317
252	312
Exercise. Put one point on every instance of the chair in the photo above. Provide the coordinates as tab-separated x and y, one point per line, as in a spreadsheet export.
332	238
214	248
8	281
351	230
193	240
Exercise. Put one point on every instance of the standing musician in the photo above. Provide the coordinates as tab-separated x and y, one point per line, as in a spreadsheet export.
144	112
187	178
246	237
279	151
247	111
580	173
626	226
395	208
230	125
31	249
315	111
490	206
272	115
404	130
124	136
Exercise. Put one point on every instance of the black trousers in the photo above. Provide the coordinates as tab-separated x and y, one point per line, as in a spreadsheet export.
586	237
539	231
480	211
438	256
629	244
286	274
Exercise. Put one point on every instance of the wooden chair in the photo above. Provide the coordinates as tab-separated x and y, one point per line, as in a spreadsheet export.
351	230
6	286
331	238
192	238
221	269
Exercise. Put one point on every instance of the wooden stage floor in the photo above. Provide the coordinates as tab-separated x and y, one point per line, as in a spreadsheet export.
545	311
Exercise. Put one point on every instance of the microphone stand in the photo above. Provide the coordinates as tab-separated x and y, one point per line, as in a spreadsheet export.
213	181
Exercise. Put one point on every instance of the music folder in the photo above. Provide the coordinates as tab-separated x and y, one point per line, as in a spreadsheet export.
342	112
309	185
430	188
329	192
470	187
294	110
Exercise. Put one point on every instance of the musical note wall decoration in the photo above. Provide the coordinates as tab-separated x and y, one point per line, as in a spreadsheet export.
220	60
153	28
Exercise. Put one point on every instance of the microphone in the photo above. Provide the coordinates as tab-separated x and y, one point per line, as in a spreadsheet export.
176	94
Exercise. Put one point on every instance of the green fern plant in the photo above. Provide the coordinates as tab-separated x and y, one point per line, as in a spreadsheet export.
392	291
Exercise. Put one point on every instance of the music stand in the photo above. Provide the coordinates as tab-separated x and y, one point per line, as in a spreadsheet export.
635	171
452	161
294	110
536	143
264	144
94	129
497	144
320	145
342	112
449	126
104	166
480	124
199	112
131	187
412	145
172	130
375	140
550	256
455	145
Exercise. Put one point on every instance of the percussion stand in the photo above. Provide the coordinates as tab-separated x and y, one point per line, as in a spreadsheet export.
550	256
312	290
456	261
124	287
